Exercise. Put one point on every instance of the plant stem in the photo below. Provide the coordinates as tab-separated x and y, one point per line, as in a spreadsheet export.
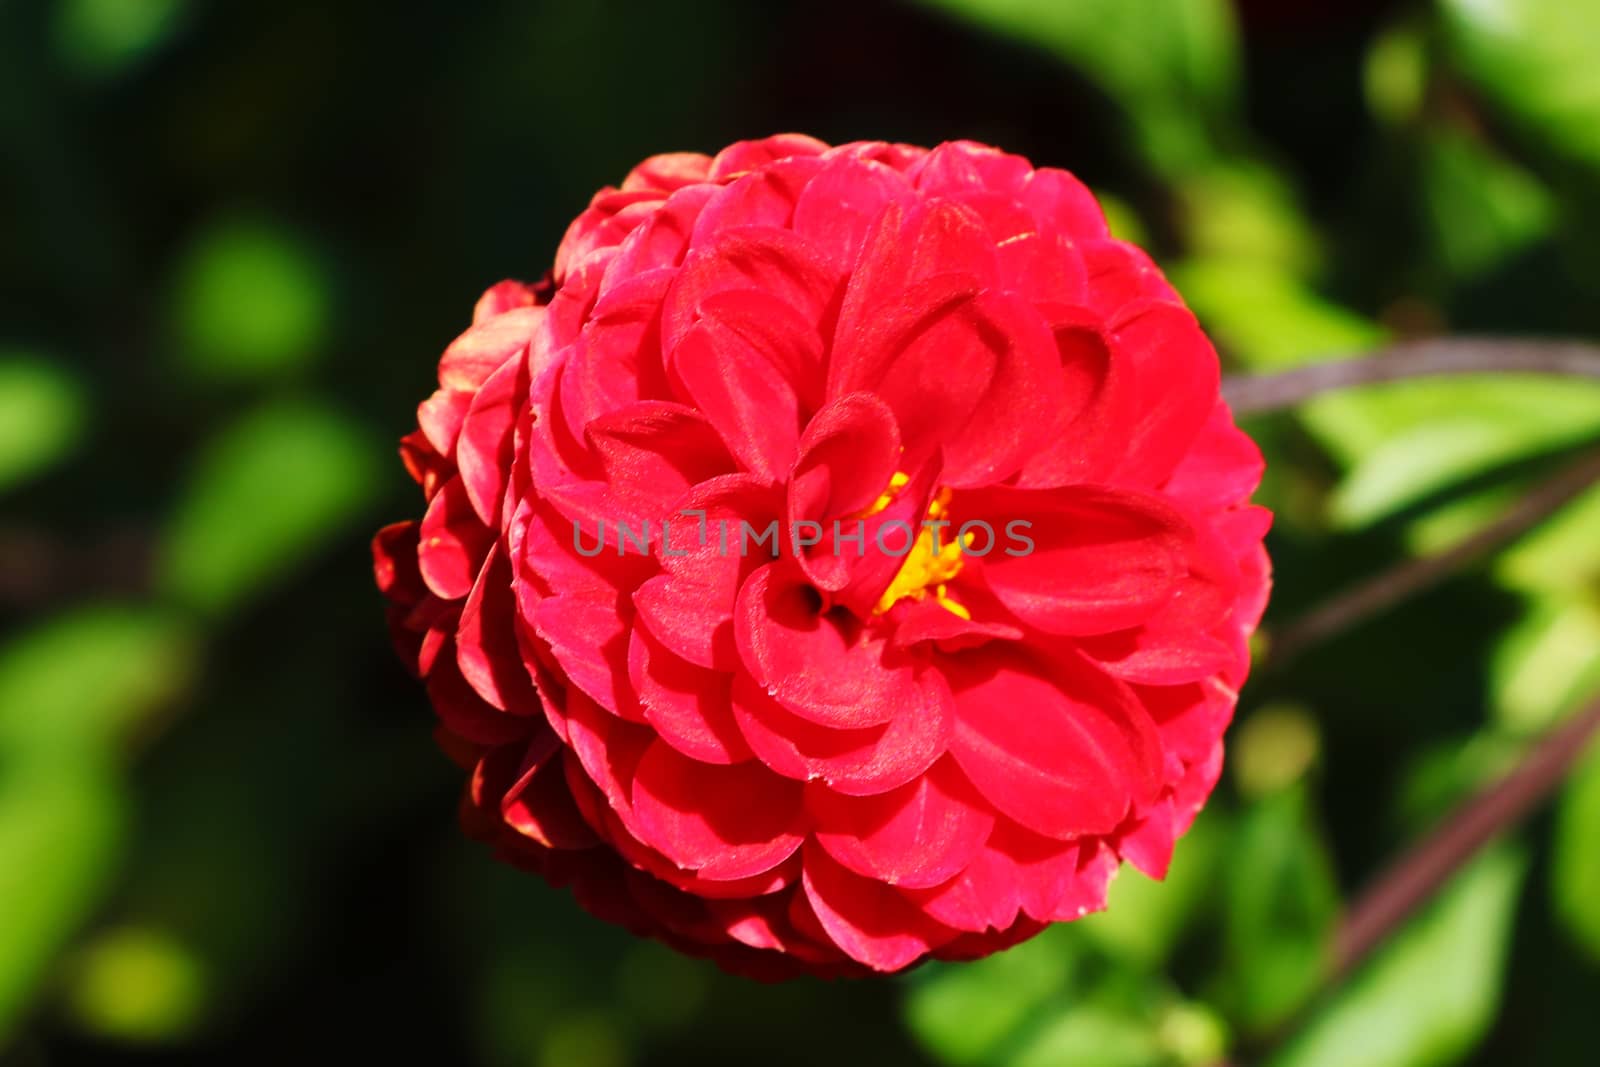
1424	867
1375	595
1259	394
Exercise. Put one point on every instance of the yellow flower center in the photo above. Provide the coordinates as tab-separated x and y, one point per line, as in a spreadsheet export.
934	559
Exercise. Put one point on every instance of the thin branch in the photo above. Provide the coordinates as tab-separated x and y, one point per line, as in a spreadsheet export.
1373	596
1259	394
1422	869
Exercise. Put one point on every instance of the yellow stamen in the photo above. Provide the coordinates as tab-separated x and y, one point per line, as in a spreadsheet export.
927	568
900	480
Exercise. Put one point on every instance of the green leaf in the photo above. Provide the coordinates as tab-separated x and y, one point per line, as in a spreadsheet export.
139	985
1144	919
1432	993
41	416
104	37
1280	905
1575	880
965	1013
1266	318
1480	209
250	301
1546	663
85	679
271	490
60	822
1396	73
1452	431
1535	60
1171	64
1093	1035
1246	212
1561	555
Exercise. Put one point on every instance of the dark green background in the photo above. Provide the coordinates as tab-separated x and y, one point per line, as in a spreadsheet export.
233	240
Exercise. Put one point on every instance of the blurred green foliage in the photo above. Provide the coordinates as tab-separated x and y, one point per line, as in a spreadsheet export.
238	235
41	416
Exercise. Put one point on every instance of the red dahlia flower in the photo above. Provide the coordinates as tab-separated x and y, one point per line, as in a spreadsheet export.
843	558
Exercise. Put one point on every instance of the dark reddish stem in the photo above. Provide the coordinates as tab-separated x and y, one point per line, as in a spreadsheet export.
1382	591
1418	873
1423	868
1259	394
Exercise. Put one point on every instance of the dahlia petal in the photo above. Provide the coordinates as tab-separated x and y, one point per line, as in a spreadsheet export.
687	705
689	606
1178	644
1097	867
1223	467
537	802
483	447
439	418
1010	415
843	200
983	896
1148	655
765	923
790	344
657	450
975	946
394	562
1016	872
1051	875
486	641
725	822
871	562
611	529
611	216
873	923
962	166
617	360
1096	560
766	259
848	453
928	620
484	347
667	171
502	297
1086	441
1148	843
826	667
662	239
749	155
1082	754
736	386
1192	790
453	542
466	714
1190	718
588	635
902	157
1178	377
423	462
1121	274
972	372
919	835
763	197
898	273
1061	201
852	762
1043	268
679	913
605	754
